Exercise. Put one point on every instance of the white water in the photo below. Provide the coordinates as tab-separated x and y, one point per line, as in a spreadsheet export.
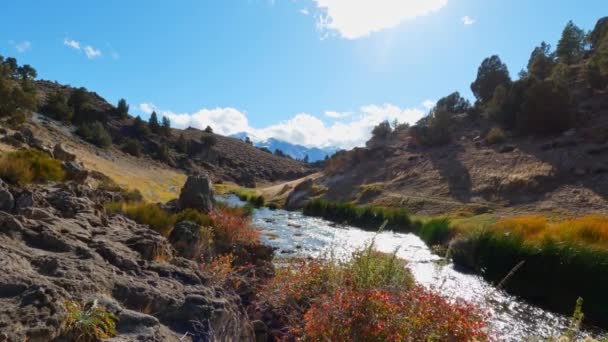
512	319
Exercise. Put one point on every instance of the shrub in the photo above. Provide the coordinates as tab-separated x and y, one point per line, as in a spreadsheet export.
162	153
90	323
495	136
132	147
371	297
95	133
380	315
369	269
140	128
208	140
366	217
257	201
546	108
435	231
221	267
230	229
155	217
382	130
27	166
57	107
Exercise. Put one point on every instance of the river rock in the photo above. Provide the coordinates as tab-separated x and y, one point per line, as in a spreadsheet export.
197	193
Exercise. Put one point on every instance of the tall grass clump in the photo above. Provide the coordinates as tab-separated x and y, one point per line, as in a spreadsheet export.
89	323
30	166
371	297
367	217
435	231
562	260
157	218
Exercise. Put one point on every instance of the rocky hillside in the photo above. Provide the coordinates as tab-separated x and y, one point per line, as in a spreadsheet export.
225	159
536	143
64	258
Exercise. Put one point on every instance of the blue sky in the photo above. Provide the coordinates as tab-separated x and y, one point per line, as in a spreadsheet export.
315	72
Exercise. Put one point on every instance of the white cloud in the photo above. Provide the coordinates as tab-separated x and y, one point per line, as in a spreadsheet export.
466	20
91	52
428	104
303	128
304	11
23	46
337	115
353	19
71	43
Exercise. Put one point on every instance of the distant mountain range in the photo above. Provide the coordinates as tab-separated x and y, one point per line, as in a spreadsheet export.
295	151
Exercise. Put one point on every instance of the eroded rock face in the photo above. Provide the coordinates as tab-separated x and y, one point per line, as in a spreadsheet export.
64	247
197	193
186	239
7	200
299	195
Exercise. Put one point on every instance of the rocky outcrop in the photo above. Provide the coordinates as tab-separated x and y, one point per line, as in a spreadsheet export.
61	153
300	194
197	193
186	239
75	171
7	201
64	247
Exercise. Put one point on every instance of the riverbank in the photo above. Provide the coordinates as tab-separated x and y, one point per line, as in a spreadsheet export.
548	263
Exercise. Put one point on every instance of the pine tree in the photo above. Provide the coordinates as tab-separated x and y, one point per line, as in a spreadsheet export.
122	109
153	123
165	128
571	46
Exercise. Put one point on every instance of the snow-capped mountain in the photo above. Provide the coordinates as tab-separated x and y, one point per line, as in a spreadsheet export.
295	151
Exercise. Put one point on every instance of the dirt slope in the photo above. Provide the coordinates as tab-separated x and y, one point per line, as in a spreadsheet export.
561	174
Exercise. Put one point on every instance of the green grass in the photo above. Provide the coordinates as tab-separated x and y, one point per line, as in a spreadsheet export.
157	218
562	260
366	217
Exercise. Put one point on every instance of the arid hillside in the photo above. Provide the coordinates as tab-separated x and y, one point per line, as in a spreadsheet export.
535	143
189	150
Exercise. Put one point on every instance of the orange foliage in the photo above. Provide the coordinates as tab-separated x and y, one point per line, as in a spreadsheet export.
589	230
377	315
231	228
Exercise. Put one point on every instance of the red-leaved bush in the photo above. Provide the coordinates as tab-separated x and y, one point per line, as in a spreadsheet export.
372	297
377	315
230	228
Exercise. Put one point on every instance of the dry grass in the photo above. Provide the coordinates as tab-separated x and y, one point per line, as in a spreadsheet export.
591	231
29	166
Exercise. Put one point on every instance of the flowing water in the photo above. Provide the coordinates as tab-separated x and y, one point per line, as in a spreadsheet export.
294	234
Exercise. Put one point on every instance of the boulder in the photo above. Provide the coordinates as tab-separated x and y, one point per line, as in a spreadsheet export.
75	171
299	195
506	149
197	193
7	201
186	239
61	153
